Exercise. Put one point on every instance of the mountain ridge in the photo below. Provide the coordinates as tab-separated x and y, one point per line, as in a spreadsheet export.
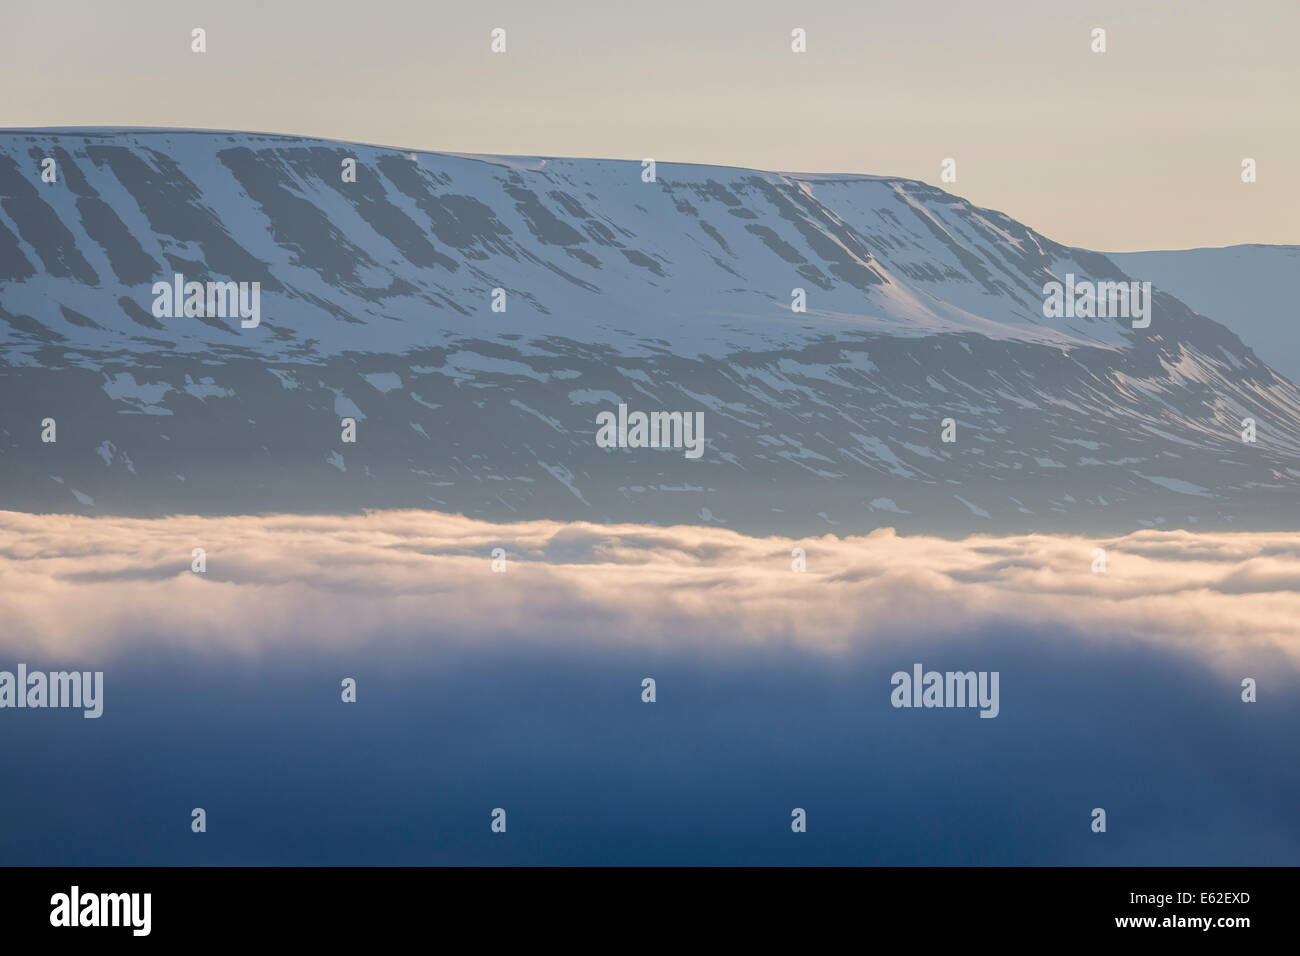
668	295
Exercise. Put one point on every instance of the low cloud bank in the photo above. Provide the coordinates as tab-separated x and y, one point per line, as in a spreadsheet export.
79	588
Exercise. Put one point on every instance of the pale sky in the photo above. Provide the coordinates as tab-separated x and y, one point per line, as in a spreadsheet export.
1139	147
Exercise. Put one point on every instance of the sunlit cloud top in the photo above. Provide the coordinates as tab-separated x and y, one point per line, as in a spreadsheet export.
81	588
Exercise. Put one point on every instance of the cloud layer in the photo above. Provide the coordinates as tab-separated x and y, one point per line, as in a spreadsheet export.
79	589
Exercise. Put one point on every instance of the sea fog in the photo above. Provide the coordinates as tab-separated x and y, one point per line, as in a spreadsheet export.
503	667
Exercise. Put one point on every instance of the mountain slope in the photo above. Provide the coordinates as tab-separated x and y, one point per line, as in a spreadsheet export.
674	295
1250	289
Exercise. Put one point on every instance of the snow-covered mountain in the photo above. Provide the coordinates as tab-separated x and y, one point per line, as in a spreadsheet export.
376	303
1250	289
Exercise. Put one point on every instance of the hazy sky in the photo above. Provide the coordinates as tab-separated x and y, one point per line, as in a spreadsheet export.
1139	147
